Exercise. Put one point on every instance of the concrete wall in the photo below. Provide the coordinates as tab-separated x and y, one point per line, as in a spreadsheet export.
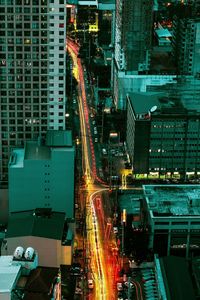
44	183
5	296
50	252
27	186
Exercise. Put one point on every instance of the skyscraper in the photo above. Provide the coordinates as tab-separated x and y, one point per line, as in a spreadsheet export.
32	72
132	50
133	34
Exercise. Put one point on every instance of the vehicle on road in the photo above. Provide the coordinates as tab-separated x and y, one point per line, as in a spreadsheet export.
119	286
90	284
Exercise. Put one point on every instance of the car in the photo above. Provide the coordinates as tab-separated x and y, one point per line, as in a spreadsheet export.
119	286
104	152
76	269
93	122
96	140
90	284
78	291
112	151
115	230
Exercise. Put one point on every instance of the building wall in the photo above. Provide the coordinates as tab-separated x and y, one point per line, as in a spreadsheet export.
130	130
32	72
128	82
186	46
50	252
5	296
171	144
175	236
174	144
137	21
141	149
44	183
62	180
27	188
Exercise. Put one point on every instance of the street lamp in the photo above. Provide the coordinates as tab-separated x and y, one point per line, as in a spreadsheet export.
123	227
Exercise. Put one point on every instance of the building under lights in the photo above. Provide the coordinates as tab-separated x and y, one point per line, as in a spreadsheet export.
173	216
32	72
163	134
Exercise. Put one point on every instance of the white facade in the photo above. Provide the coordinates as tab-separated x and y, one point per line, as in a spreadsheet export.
57	65
9	275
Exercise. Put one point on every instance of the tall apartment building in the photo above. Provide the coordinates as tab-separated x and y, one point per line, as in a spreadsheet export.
133	34
32	72
186	45
132	50
166	140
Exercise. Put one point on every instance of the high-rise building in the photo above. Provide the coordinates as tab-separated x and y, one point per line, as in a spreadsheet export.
41	168
186	46
132	50
32	72
133	34
163	134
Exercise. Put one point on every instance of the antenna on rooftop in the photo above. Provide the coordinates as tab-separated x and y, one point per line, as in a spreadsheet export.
153	108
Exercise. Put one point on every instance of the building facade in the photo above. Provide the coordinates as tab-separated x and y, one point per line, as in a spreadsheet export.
186	46
173	217
132	51
32	72
164	141
42	175
133	34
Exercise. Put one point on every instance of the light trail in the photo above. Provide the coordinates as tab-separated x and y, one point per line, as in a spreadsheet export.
97	251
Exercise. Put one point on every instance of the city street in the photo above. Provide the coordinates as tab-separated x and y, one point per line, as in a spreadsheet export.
98	228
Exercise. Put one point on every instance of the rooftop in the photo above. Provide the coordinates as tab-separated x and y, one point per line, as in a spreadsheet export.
26	223
142	102
173	200
130	202
62	138
35	151
8	273
185	91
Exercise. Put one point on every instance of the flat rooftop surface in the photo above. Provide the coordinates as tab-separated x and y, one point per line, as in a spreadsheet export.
37	152
173	200
8	273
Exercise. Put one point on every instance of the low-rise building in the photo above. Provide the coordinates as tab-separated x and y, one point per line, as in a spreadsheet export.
38	284
43	230
172	213
42	174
